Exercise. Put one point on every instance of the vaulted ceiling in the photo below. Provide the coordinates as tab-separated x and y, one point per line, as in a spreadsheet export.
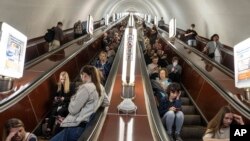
229	18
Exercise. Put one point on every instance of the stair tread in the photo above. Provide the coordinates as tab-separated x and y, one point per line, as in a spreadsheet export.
191	139
192	120
188	109
194	132
185	101
194	126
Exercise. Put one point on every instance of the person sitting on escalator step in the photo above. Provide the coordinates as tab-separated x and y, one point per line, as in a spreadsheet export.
170	111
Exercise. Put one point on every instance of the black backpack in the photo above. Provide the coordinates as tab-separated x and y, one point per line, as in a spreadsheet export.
49	36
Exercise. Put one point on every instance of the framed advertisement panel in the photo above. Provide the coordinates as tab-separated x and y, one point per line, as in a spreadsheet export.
242	64
156	21
172	28
107	20
12	51
149	18
113	17
90	25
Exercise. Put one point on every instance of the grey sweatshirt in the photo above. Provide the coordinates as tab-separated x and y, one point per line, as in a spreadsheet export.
83	104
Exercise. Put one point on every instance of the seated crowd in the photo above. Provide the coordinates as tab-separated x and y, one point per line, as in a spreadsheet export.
74	103
96	73
165	79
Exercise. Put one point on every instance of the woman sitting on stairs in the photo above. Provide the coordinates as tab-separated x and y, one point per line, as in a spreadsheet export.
218	128
170	111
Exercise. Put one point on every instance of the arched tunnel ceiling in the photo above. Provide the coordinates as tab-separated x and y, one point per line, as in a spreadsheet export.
140	6
228	18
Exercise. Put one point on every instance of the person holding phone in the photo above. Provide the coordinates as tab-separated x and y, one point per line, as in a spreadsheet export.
153	67
218	128
170	111
83	105
174	70
65	89
163	79
15	131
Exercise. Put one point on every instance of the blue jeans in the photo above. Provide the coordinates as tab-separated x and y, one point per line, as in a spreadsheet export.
68	134
192	43
172	117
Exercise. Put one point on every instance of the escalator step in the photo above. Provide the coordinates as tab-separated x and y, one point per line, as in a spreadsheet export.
192	132
192	139
188	109
192	120
185	101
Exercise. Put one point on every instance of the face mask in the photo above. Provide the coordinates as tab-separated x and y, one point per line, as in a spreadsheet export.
175	63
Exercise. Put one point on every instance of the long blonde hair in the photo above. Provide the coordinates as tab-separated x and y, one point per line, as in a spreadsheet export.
66	83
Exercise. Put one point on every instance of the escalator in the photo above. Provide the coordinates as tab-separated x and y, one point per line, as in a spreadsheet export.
31	98
227	62
198	95
216	80
146	123
37	53
194	125
208	86
208	89
110	122
140	125
194	122
133	126
38	47
114	125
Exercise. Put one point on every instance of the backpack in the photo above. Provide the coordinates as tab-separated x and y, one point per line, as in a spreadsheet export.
49	36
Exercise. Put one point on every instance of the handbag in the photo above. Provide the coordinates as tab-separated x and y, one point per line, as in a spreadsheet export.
211	55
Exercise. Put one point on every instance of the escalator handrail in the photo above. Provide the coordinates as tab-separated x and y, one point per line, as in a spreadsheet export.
46	55
224	69
40	39
243	109
21	93
100	115
201	39
152	106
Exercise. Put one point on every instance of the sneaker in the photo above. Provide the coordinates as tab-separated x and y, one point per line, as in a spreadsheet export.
178	137
171	137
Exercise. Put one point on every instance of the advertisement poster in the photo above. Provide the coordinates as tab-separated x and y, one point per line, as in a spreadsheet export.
128	68
113	17
12	50
90	25
107	20
149	19
242	64
156	21
172	28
